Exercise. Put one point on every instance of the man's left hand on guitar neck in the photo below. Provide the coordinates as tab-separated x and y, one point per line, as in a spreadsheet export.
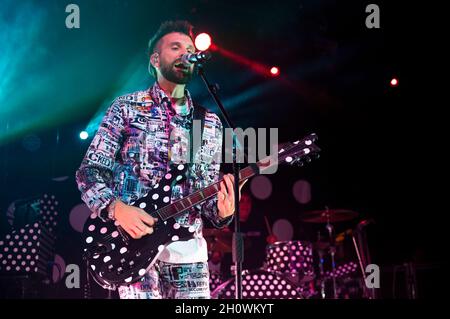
225	203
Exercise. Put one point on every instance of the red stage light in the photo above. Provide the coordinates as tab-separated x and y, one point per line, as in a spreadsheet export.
274	71
394	82
202	41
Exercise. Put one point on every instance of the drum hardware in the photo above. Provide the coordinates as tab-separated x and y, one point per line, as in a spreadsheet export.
330	229
294	262
362	251
328	216
271	238
320	248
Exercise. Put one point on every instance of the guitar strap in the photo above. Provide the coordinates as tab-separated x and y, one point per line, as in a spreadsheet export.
199	114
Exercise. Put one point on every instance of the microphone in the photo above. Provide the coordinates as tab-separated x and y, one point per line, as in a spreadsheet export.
198	57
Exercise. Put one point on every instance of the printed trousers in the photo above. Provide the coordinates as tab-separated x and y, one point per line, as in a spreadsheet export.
171	281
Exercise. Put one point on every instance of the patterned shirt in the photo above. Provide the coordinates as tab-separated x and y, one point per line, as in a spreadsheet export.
138	139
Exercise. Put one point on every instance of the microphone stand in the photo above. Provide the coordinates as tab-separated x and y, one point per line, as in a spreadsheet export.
238	239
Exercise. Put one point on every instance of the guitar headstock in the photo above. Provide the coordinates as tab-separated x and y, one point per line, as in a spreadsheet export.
299	152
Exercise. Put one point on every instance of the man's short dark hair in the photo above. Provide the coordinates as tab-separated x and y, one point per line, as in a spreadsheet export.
167	27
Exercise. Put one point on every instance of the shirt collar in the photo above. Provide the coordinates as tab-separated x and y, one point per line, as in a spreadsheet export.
161	98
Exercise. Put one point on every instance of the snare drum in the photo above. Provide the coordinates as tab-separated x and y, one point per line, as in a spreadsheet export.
293	258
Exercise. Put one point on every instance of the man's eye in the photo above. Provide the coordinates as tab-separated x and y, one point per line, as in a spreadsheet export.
174	48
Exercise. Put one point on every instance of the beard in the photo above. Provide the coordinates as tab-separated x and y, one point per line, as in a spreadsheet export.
171	74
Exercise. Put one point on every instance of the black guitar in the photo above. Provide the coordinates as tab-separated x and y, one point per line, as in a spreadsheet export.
114	258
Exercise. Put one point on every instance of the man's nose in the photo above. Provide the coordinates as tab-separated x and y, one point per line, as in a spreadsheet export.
183	51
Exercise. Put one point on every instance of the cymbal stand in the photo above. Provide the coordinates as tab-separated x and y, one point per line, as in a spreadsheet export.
322	273
361	264
362	251
330	229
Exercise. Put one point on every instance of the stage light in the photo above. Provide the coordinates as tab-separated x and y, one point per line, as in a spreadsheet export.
202	41
275	71
84	135
394	82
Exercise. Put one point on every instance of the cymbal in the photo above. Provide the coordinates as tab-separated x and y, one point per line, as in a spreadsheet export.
328	215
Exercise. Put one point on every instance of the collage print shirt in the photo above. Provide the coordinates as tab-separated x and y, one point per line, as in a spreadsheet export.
132	150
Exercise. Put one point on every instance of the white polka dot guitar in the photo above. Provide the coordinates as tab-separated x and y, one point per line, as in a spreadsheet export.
115	259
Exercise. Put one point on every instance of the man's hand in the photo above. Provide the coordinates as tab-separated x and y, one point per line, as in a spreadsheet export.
135	221
225	203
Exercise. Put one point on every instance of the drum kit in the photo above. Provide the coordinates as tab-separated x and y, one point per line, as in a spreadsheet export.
296	268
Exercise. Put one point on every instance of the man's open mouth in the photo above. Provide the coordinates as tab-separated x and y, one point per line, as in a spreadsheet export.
181	66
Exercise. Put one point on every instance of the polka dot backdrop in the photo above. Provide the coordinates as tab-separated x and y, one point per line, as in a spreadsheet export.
49	212
302	191
283	230
78	216
26	250
59	268
261	187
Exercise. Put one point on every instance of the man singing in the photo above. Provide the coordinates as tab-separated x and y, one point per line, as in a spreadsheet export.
143	133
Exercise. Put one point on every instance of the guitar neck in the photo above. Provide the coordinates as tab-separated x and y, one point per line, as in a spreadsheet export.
284	154
200	196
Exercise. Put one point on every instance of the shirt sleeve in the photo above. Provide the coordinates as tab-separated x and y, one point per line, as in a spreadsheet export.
211	171
95	175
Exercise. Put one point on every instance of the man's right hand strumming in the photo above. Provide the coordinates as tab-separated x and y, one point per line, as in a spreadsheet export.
135	221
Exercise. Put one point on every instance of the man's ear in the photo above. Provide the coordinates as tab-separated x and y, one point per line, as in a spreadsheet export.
154	60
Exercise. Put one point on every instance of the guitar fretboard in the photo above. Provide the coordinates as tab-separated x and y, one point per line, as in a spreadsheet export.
199	196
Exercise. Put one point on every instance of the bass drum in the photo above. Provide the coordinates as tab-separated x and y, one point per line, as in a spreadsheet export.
215	280
293	258
260	284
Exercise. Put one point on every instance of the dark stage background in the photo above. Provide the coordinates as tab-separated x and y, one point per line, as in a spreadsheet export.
334	81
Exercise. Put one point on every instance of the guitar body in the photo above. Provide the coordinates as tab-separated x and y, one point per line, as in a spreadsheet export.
113	257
